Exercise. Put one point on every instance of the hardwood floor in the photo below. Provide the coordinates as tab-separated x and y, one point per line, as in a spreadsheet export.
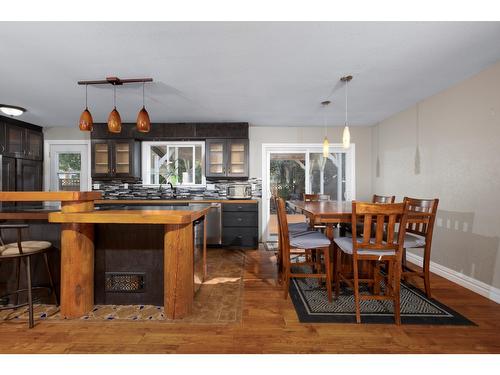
269	325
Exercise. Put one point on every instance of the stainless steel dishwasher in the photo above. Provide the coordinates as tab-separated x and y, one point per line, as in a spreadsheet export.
214	222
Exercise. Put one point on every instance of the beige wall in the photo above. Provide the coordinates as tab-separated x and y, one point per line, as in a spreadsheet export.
61	133
360	136
459	163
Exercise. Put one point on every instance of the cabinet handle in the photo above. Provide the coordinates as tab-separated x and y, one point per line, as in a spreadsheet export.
3	148
240	207
239	237
239	219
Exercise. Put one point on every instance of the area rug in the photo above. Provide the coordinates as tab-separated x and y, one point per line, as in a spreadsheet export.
217	302
312	306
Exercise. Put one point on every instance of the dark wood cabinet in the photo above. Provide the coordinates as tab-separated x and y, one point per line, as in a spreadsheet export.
14	141
226	158
8	177
119	158
175	131
29	178
240	225
33	144
21	140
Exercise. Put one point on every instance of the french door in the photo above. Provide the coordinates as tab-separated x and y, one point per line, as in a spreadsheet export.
290	170
68	167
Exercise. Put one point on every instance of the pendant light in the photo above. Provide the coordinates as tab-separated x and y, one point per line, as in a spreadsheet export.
326	144
143	123
114	120
346	135
86	122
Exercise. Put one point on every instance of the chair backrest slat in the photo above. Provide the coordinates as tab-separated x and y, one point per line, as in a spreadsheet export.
383	198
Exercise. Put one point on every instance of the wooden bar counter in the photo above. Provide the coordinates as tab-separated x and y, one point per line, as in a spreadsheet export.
77	218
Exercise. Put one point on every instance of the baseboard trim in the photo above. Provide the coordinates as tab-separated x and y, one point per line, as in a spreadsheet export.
468	282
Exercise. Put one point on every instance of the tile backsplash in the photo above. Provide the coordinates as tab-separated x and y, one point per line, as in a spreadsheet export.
117	189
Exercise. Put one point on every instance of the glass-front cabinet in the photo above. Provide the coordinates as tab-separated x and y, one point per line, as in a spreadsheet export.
227	158
115	158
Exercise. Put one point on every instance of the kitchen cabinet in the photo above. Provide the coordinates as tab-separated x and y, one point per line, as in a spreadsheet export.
8	177
18	140
240	225
226	158
29	178
116	158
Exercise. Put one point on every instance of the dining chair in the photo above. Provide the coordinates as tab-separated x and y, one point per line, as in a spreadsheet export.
293	229
374	247
419	235
301	243
382	199
22	252
311	197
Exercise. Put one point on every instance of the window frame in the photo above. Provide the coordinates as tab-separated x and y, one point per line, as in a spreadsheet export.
146	160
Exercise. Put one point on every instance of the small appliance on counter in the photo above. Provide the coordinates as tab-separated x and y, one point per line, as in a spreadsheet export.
239	191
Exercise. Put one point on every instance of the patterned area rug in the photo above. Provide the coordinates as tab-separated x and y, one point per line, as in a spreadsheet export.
217	302
312	306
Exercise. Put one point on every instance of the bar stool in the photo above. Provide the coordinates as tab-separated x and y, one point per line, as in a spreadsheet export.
22	251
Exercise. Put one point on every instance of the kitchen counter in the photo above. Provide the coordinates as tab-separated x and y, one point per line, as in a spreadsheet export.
79	219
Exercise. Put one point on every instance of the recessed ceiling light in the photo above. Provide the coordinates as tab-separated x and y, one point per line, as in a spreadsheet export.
12	110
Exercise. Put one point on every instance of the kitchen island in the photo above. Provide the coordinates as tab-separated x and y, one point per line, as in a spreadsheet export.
78	218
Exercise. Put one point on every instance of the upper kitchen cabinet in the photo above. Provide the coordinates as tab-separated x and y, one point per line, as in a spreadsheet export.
226	158
21	140
116	158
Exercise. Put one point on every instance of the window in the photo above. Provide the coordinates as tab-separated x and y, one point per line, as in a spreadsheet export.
180	163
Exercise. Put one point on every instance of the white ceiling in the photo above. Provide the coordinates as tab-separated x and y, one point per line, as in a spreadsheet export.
264	73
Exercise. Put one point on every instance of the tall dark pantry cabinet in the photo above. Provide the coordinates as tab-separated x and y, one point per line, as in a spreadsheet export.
21	156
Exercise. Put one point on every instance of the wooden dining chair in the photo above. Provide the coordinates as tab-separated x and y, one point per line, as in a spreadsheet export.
419	235
301	243
383	198
373	247
311	197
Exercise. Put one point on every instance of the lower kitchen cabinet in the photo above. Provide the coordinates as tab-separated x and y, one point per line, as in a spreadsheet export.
240	225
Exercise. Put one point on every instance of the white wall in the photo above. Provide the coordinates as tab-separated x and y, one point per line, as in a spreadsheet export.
459	141
361	136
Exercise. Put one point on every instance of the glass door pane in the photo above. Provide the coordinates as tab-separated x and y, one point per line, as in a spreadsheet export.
216	158
122	157
327	176
101	159
69	167
237	157
287	177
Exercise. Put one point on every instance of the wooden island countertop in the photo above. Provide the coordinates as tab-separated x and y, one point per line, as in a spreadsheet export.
129	216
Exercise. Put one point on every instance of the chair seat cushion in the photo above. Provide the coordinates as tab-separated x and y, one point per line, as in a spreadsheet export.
413	240
298	227
345	244
309	240
28	247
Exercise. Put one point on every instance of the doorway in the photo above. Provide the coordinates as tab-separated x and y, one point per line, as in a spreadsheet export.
67	166
291	170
